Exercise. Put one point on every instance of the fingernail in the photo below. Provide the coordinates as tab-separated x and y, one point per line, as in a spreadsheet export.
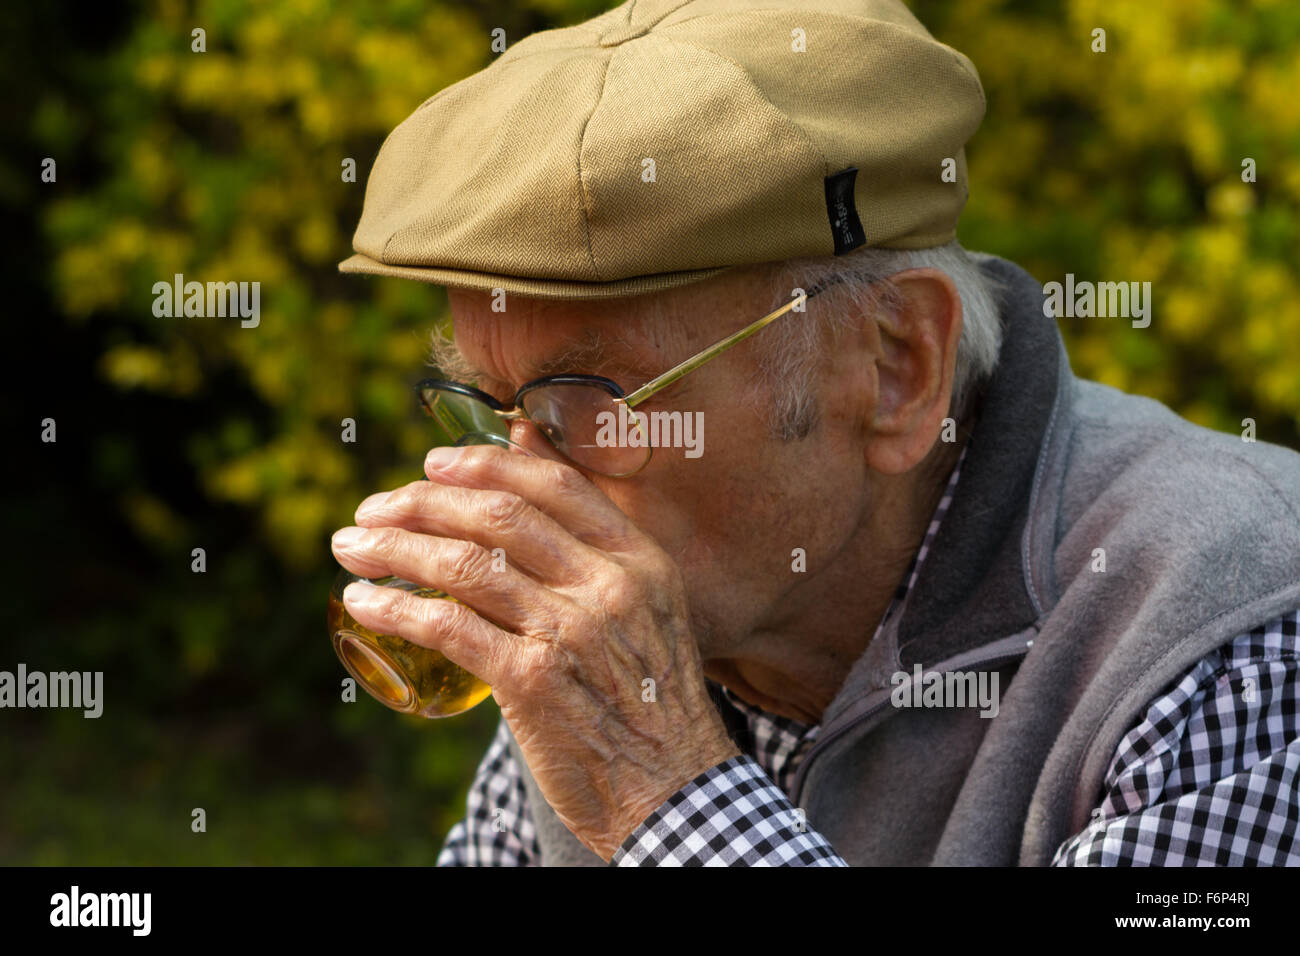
373	502
442	457
346	538
358	593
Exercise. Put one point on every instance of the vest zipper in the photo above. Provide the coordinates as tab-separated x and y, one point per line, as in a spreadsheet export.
1001	651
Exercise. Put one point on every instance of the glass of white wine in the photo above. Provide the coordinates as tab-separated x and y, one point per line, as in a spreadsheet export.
401	675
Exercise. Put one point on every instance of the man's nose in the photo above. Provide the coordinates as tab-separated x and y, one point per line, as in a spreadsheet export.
525	433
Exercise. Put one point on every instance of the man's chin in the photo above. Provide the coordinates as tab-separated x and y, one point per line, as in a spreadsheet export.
725	673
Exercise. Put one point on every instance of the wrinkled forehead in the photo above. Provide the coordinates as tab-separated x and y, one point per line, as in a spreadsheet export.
515	339
521	339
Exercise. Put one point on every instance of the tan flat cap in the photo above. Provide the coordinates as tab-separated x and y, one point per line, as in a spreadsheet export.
668	140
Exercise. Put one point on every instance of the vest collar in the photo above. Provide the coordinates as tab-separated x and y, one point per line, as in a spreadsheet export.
987	579
987	574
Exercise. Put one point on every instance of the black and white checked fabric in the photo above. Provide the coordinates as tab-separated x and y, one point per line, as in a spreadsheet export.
498	829
730	815
1210	775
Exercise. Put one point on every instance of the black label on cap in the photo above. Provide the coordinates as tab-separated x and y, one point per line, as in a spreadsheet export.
846	227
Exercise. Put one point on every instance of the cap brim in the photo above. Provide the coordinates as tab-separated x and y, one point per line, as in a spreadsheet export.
529	287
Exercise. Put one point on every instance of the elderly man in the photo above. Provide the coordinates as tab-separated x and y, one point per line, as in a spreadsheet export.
919	595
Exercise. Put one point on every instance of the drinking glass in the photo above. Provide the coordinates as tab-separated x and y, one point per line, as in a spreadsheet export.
406	677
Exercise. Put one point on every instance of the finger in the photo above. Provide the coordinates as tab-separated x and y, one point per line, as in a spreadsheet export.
461	635
532	540
465	570
557	488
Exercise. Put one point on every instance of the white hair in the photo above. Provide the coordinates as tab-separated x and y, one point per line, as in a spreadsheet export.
794	349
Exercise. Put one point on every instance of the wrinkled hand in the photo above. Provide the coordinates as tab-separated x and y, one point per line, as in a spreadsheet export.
586	608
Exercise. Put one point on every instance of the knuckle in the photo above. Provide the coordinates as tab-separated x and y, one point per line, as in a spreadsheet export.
437	617
665	575
466	562
480	458
409	495
543	668
567	480
546	626
391	606
503	511
383	542
398	501
621	595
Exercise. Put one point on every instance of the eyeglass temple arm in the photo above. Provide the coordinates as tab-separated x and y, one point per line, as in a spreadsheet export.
695	361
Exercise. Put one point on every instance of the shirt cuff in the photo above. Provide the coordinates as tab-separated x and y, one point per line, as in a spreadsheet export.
730	815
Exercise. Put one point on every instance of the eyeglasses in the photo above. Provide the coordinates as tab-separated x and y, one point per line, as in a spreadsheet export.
587	418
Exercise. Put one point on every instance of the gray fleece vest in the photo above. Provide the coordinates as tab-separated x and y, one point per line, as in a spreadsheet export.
1201	540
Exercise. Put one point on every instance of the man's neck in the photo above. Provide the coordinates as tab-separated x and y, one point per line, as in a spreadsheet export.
794	667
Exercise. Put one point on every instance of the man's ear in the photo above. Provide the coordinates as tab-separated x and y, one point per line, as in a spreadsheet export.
915	363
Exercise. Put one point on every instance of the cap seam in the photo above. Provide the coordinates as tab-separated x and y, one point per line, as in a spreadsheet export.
967	67
582	181
826	165
649	27
383	252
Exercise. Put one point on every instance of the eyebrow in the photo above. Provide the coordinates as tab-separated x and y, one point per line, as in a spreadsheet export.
593	349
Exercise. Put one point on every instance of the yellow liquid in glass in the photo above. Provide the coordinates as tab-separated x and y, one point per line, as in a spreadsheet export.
406	677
